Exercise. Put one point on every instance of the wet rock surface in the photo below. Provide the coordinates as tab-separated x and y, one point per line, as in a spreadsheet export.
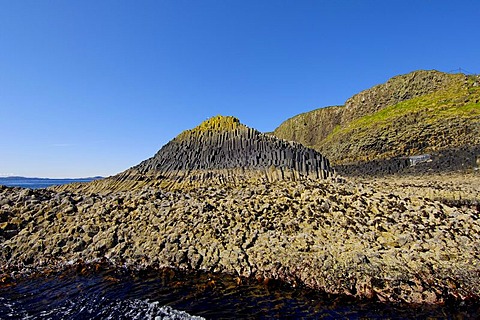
337	236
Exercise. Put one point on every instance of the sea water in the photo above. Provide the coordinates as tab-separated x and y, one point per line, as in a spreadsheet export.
168	294
37	183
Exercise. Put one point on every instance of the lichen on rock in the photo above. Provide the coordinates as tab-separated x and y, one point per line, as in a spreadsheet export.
336	237
216	124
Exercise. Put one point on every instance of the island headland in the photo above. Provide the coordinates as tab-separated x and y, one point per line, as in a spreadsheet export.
223	197
376	131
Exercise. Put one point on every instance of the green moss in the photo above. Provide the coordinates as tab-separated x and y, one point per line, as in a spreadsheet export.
214	124
218	123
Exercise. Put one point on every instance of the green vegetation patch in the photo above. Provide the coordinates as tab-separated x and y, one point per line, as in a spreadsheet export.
459	100
214	124
444	119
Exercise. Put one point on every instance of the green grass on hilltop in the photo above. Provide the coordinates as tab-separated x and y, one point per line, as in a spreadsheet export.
214	124
458	101
445	118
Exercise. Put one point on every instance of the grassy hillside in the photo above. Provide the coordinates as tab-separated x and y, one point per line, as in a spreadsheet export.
424	111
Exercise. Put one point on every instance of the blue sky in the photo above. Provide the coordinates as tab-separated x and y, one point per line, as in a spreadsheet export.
94	87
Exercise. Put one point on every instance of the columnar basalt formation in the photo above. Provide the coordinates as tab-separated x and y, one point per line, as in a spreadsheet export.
225	198
224	143
222	150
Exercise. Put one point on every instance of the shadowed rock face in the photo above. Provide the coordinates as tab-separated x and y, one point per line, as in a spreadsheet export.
219	150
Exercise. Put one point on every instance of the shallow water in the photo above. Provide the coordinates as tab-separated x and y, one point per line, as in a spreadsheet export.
114	294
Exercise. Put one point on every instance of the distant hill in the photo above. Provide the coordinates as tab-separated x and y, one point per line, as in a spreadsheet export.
420	112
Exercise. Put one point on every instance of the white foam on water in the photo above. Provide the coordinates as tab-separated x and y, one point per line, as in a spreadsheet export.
97	308
10	310
144	309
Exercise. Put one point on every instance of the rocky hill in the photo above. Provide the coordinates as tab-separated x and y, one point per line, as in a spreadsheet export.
420	112
221	149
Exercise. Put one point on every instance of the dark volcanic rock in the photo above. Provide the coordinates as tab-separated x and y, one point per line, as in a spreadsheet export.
450	160
223	150
224	143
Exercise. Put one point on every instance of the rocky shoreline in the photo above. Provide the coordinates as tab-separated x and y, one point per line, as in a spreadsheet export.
336	235
225	198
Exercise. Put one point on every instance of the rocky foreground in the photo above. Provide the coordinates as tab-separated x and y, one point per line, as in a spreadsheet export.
226	198
338	236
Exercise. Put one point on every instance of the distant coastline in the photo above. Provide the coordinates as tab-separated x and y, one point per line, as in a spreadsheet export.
38	183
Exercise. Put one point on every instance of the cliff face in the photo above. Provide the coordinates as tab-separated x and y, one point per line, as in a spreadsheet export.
421	112
311	128
220	150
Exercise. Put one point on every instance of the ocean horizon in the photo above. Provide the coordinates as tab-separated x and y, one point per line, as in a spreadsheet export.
39	183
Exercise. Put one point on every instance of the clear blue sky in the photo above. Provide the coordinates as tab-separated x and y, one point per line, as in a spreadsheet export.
94	87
